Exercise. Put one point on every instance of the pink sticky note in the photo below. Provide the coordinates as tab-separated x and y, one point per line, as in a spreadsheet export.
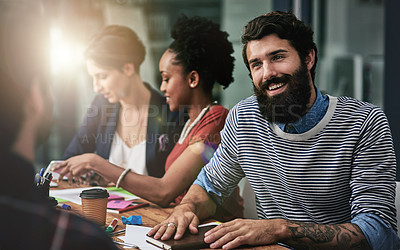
115	197
118	204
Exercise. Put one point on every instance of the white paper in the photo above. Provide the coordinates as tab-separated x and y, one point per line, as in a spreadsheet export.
72	194
137	235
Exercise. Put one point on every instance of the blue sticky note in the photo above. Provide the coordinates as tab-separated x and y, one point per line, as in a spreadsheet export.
132	220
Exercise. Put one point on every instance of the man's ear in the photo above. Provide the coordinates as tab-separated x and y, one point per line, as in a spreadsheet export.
310	59
193	78
129	69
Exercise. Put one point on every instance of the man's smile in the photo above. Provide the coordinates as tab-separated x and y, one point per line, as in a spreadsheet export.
274	86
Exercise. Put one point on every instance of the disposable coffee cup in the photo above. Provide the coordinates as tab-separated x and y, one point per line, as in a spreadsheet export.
94	204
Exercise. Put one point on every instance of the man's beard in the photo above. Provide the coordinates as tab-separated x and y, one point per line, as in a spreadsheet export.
289	106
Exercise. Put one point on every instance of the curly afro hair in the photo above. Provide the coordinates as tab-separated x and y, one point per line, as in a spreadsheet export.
200	45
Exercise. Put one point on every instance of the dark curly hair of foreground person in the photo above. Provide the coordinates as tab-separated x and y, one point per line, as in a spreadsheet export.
200	45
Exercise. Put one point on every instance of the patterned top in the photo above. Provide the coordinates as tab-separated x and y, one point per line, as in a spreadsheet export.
343	166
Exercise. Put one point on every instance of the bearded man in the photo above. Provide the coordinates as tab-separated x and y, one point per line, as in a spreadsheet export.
322	167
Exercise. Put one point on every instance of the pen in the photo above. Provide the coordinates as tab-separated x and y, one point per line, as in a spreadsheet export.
117	232
40	176
64	206
126	244
112	225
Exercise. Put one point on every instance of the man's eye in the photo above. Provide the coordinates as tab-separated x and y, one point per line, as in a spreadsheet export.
277	57
256	64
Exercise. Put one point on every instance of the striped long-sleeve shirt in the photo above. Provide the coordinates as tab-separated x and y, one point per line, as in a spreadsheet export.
343	166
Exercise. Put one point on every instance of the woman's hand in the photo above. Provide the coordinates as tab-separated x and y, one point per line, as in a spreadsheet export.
79	168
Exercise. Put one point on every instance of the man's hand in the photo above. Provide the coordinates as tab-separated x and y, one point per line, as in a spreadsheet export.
299	235
195	206
244	231
181	218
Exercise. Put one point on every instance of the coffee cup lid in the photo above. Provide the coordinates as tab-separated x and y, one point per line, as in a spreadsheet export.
94	193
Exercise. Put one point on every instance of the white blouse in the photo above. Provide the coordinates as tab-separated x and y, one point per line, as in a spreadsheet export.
126	157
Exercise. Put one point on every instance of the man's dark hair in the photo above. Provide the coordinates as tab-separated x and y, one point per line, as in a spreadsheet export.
286	26
200	45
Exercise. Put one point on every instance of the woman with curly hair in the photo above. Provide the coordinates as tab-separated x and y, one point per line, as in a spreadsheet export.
199	56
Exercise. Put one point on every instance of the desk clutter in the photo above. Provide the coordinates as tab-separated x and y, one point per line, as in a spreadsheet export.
119	200
97	203
134	234
42	181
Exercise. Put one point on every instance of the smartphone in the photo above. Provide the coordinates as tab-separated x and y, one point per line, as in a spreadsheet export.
50	167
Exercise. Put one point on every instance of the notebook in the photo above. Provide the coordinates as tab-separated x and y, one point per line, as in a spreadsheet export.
188	241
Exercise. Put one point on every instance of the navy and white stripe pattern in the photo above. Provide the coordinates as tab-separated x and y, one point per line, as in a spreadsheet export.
343	166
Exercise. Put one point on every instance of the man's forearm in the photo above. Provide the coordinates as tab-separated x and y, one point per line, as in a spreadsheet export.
316	236
199	202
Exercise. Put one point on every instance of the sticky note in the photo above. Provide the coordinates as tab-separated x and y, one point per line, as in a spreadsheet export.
118	204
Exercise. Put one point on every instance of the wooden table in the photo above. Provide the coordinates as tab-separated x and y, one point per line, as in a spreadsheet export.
151	216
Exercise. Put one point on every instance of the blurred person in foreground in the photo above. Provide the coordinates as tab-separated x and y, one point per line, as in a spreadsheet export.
322	167
31	222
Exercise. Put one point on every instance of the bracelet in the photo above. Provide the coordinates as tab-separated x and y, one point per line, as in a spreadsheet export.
122	177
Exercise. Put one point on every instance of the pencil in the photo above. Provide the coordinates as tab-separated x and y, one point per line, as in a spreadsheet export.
116	232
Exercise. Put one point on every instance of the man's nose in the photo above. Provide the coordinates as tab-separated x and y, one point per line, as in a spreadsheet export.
268	71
